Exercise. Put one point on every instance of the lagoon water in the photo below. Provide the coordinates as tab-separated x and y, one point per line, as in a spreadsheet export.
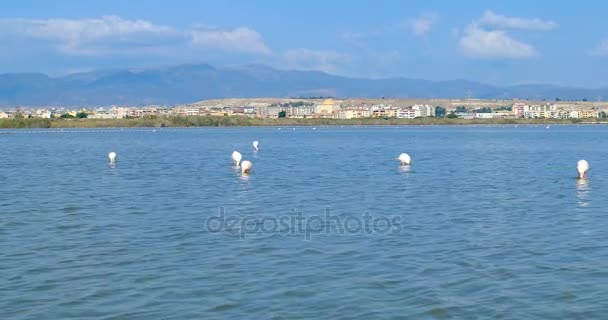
489	222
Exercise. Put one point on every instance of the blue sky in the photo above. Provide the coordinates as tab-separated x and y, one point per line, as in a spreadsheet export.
506	42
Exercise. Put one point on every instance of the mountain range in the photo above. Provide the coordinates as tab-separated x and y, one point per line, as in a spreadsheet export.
195	82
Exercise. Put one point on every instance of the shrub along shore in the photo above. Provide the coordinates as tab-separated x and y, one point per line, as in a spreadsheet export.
227	121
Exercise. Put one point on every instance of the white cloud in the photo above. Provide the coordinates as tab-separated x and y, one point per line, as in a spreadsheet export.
115	35
307	59
421	25
487	37
491	19
601	49
489	44
88	36
239	40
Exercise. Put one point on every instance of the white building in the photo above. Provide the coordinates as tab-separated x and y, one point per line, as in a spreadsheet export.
482	115
249	110
424	110
407	113
465	115
303	111
539	111
327	108
518	109
42	113
353	113
273	111
495	115
146	112
118	112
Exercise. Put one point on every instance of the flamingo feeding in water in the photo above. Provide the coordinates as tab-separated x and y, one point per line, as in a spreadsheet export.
256	145
112	157
582	167
404	159
246	167
236	157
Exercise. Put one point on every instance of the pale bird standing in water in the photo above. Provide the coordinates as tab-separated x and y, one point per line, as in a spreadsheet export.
582	167
246	167
255	145
112	157
404	159
236	158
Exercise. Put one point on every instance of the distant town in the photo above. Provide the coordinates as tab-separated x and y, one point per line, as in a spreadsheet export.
333	109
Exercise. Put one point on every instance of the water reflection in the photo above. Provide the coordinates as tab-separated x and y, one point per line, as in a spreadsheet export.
405	169
583	192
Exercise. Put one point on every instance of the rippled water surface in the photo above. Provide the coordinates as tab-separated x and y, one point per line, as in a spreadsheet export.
489	222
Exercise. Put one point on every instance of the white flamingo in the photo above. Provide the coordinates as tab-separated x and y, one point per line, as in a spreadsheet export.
112	157
256	145
236	158
404	159
246	167
582	167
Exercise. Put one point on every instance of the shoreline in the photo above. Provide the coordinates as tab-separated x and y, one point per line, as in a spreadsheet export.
237	121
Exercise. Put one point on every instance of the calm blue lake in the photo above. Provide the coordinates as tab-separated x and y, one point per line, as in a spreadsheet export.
488	222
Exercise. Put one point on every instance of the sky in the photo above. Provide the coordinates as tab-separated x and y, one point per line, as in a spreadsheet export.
496	42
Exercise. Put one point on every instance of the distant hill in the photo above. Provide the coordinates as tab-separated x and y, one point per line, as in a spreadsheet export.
189	83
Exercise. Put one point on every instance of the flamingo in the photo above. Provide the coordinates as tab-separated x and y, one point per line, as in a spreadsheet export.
246	167
112	157
582	167
236	157
405	159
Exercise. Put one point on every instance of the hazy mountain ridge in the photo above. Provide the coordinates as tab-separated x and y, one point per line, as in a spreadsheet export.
190	83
